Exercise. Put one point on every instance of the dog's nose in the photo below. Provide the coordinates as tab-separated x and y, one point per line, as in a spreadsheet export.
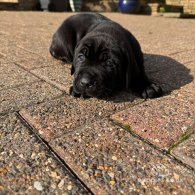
86	82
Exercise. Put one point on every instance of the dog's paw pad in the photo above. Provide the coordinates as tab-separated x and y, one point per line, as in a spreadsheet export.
152	91
73	93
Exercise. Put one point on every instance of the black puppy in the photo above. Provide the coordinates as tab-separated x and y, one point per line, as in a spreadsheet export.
105	57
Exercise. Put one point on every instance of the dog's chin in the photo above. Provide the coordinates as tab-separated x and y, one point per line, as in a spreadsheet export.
98	92
88	93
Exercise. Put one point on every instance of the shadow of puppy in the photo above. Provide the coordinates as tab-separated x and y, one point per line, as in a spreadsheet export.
163	70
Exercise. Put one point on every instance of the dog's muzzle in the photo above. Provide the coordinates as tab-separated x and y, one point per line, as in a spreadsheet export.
86	84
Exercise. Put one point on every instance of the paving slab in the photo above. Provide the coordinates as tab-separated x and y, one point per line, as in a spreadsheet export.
13	99
58	75
34	61
111	161
192	67
186	151
11	75
159	35
3	60
39	50
62	115
27	166
165	47
13	53
184	56
161	121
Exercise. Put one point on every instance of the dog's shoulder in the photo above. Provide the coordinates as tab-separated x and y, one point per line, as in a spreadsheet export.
83	20
87	17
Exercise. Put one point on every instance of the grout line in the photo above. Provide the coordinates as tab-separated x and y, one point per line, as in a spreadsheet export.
182	51
181	139
56	156
42	78
31	104
163	151
29	51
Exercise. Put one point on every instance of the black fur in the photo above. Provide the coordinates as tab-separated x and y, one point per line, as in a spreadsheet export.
105	57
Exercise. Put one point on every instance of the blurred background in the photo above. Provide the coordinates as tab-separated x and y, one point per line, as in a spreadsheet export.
149	7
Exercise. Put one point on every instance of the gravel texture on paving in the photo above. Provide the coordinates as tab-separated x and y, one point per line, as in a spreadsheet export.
161	121
59	116
13	99
27	166
111	161
186	151
105	156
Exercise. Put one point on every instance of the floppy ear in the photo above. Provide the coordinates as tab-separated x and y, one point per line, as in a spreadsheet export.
71	31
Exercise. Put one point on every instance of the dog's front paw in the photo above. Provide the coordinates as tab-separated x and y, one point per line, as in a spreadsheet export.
152	91
73	93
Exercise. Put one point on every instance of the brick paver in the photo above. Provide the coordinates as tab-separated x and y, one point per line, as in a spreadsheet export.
92	136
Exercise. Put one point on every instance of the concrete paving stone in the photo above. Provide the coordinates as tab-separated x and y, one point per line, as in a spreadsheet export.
192	67
2	59
27	20
150	23
184	57
111	161
58	74
4	39
166	48
62	115
161	121
18	97
167	72
13	53
186	151
27	166
34	61
11	75
34	39
42	51
3	33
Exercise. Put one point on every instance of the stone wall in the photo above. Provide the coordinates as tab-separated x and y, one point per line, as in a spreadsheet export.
27	4
189	5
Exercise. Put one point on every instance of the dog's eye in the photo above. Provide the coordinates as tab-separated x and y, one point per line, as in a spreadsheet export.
81	57
85	51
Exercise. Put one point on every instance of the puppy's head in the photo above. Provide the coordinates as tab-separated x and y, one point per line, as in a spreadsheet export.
97	66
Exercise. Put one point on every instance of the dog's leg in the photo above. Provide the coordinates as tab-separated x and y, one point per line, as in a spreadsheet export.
152	90
147	88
